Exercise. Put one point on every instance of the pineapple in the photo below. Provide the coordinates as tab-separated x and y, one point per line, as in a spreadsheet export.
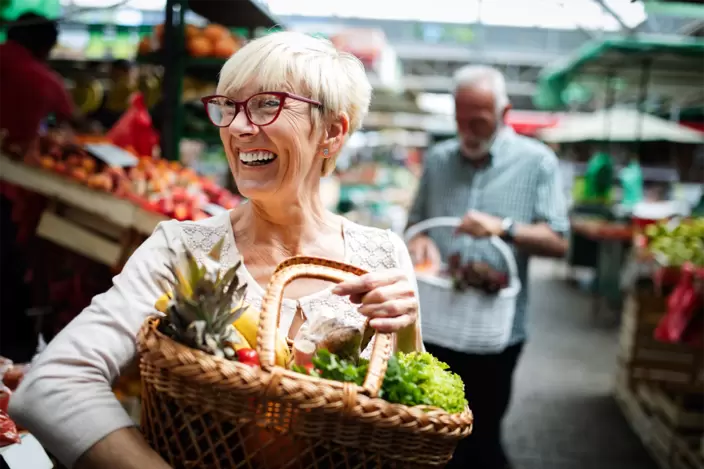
199	313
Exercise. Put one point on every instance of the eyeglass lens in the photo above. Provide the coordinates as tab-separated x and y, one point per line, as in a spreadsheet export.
261	109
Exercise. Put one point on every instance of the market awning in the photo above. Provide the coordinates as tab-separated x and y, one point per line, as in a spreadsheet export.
676	71
619	125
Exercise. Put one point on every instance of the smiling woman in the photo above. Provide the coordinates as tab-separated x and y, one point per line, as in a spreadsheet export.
285	105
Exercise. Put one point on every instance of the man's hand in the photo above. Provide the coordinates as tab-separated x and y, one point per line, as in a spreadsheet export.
480	225
424	252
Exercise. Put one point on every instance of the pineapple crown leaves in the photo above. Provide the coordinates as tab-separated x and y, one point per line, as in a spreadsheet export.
200	312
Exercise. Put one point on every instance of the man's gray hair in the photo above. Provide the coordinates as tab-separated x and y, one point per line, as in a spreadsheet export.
471	75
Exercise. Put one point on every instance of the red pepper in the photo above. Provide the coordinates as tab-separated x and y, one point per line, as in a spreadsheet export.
682	307
248	356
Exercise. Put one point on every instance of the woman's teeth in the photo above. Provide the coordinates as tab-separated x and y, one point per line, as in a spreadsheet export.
257	158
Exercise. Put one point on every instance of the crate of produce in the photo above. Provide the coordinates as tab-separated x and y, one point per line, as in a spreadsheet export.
671	244
648	359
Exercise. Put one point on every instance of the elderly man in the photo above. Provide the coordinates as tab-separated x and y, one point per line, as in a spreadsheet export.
502	184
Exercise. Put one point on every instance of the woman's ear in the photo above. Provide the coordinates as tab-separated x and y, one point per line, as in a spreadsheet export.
336	133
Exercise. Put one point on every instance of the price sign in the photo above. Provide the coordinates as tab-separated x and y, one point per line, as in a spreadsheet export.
112	155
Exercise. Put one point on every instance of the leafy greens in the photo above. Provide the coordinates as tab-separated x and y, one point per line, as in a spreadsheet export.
412	379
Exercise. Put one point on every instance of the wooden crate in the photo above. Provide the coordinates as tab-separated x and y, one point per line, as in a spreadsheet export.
683	411
672	441
87	234
687	456
641	423
647	359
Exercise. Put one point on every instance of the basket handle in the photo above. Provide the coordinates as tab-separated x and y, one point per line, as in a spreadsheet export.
323	269
454	222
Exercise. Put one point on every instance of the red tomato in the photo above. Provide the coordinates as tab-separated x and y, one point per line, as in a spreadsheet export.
248	356
310	369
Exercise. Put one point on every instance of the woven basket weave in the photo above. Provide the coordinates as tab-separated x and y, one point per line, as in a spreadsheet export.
199	411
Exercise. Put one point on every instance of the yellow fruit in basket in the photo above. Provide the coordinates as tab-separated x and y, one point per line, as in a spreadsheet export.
248	324
163	302
241	344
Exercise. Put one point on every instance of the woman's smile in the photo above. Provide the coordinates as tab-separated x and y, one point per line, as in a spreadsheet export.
257	158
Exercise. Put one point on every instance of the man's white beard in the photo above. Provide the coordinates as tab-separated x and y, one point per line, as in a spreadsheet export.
484	147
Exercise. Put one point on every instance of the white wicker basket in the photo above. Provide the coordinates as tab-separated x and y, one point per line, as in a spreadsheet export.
470	320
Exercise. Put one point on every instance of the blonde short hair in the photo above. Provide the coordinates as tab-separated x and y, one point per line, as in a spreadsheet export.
306	65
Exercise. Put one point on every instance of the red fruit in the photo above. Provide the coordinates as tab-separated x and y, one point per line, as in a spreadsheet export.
13	377
310	369
166	206
181	212
179	194
60	167
248	356
5	394
200	215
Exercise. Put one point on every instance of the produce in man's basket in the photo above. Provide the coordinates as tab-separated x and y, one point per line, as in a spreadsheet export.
225	409
479	275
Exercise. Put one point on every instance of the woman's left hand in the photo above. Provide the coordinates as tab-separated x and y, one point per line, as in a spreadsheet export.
386	297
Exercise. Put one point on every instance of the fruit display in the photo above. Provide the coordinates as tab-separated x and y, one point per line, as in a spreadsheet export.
211	41
159	186
676	243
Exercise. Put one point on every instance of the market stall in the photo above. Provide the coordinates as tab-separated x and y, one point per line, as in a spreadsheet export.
619	66
620	70
618	125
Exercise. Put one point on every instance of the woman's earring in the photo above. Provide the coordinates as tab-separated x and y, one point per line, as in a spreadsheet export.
325	153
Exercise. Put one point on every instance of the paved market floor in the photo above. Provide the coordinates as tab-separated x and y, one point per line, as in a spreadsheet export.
563	415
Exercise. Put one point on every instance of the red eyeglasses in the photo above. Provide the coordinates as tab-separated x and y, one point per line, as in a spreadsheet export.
261	109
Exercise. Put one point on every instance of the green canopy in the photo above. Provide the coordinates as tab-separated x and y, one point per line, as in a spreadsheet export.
10	10
676	70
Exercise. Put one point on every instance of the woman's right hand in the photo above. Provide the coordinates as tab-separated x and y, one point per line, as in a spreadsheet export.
424	252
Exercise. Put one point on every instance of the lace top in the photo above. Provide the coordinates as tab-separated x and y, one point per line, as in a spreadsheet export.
66	399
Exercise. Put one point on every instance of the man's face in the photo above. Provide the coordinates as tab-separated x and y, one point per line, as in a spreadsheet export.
477	120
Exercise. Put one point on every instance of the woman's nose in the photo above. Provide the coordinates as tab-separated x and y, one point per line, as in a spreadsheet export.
241	126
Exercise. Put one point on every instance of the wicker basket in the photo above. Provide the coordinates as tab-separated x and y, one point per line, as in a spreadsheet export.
485	321
200	411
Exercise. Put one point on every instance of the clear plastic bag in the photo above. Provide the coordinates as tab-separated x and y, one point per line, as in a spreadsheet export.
331	334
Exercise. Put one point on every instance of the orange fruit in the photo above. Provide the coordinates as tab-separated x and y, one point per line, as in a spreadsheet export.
199	46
